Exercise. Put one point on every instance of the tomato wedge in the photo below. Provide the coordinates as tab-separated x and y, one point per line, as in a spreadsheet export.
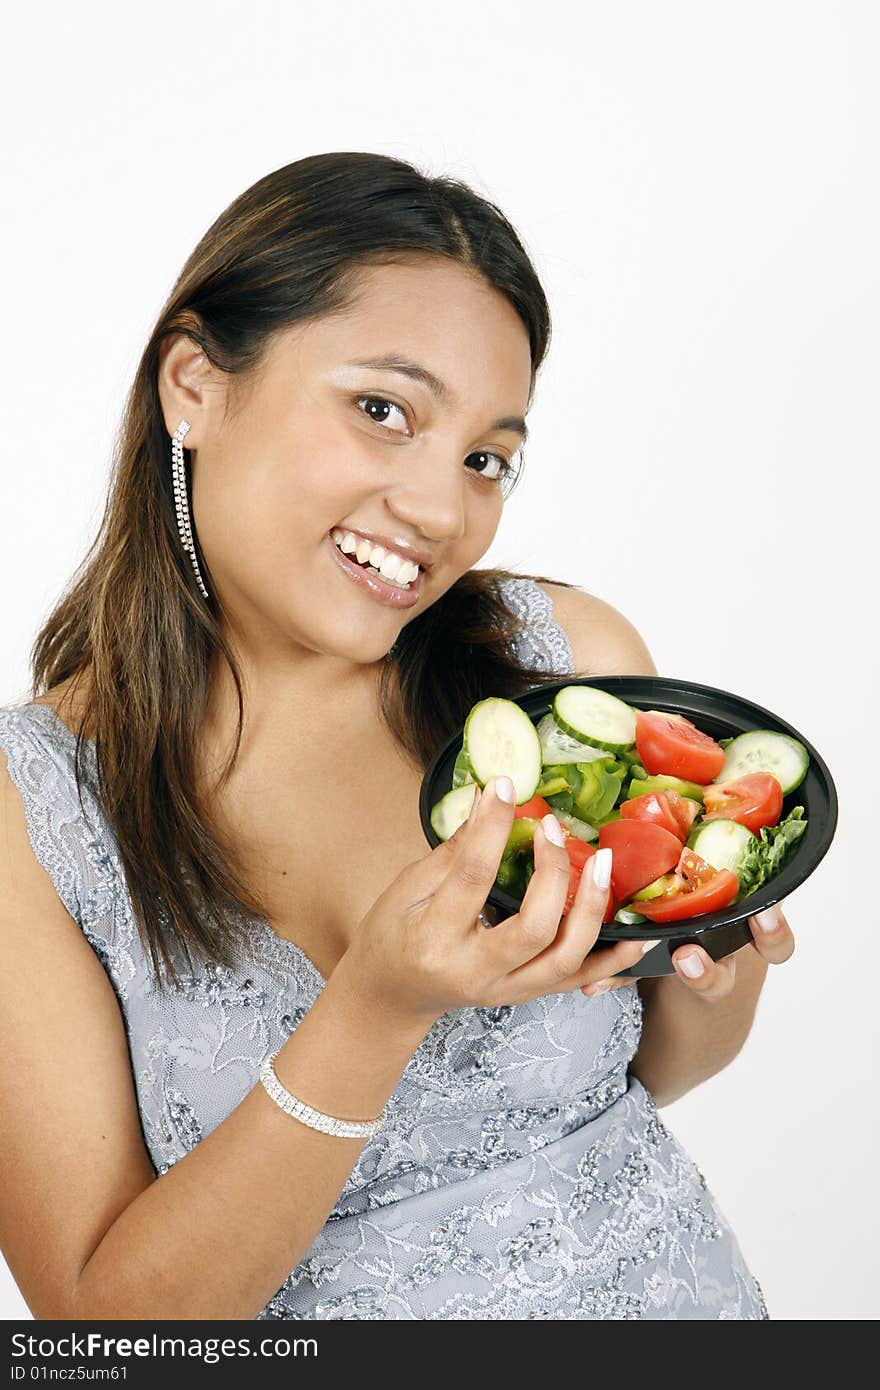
754	800
668	808
579	851
671	744
684	808
697	888
537	808
653	808
641	852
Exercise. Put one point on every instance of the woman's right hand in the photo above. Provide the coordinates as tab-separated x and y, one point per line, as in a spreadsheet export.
421	950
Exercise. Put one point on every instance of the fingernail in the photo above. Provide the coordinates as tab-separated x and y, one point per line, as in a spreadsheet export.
504	789
649	946
691	966
475	803
600	867
598	988
552	829
768	920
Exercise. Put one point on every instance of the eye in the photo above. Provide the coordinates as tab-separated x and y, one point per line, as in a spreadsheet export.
506	472
380	401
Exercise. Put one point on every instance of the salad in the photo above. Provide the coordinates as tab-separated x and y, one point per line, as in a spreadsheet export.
693	823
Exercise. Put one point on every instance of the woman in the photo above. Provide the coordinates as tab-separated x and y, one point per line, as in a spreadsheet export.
217	780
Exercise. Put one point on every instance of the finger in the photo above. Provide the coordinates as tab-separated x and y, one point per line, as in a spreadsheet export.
535	927
606	962
713	979
571	959
478	846
772	937
606	986
544	946
427	873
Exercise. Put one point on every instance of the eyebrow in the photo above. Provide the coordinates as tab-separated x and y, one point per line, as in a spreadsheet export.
394	362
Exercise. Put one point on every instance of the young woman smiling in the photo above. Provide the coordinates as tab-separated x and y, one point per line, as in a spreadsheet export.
264	1037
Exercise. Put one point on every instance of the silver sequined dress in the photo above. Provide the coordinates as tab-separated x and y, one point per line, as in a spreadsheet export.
522	1172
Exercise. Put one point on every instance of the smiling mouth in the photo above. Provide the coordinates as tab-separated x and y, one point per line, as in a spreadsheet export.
375	583
406	568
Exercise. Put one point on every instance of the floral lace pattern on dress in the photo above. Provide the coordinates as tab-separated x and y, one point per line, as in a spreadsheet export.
522	1172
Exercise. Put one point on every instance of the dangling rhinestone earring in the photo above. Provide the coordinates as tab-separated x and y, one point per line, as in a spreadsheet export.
181	504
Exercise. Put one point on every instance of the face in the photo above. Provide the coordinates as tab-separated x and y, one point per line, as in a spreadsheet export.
317	445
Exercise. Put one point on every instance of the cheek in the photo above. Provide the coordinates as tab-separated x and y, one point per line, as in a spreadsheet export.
483	518
239	516
266	519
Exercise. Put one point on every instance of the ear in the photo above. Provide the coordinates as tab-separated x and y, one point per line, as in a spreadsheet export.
184	378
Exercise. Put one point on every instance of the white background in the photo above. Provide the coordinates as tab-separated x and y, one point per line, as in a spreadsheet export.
697	185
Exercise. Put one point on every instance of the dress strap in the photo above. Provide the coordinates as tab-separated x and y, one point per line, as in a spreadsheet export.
541	641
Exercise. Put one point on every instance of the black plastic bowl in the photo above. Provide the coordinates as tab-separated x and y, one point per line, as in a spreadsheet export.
721	715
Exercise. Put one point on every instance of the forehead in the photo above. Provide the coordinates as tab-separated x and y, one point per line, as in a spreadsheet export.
432	311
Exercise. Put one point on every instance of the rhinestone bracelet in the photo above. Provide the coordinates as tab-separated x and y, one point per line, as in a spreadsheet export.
328	1124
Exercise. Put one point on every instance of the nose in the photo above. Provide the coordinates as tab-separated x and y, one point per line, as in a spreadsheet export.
431	496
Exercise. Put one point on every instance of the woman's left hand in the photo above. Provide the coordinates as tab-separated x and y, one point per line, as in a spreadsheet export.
772	938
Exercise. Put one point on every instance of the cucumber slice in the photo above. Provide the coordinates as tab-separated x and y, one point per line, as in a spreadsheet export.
452	810
763	750
500	738
558	747
462	771
722	843
628	918
595	717
580	829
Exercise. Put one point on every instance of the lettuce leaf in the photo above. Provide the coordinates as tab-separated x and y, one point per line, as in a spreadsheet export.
772	847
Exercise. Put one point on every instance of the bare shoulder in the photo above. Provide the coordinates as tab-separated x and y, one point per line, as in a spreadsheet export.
603	641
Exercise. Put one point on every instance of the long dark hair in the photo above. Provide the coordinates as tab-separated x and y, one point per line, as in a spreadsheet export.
133	616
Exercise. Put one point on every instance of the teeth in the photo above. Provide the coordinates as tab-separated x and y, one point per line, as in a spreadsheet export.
386	562
390	564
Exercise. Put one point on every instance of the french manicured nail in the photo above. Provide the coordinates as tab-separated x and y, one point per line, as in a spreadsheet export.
691	966
552	829
768	920
504	789
601	868
649	946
